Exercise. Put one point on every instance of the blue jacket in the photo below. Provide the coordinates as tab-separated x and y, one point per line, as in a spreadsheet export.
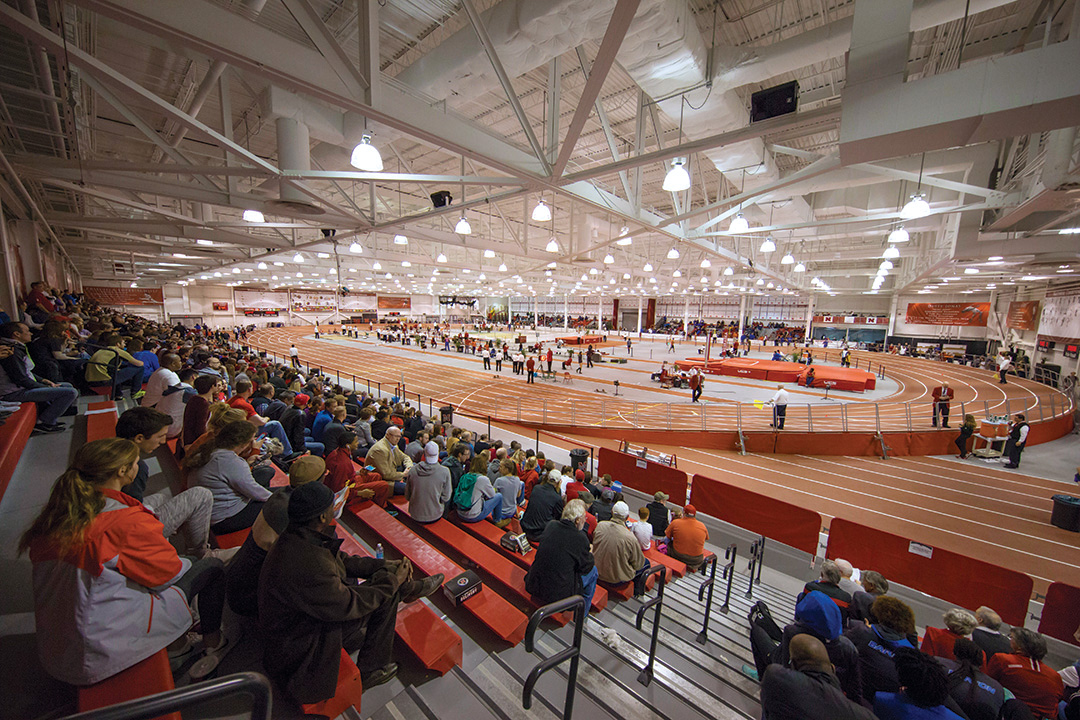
322	419
896	706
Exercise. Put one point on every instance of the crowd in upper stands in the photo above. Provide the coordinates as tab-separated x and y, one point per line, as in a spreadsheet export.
852	652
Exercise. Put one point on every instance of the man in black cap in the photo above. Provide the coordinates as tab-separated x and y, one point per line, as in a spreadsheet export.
310	606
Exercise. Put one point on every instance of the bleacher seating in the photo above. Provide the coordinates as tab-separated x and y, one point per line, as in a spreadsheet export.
347	694
150	676
13	436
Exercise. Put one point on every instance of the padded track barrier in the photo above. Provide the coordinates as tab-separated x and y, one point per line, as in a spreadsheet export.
775	519
1061	612
643	475
959	579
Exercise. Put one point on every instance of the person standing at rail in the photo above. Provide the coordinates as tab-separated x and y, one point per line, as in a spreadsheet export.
697	383
1004	363
779	404
943	395
294	356
1018	432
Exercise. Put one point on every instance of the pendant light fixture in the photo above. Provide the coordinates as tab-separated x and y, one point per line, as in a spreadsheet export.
489	253
899	235
673	253
609	259
917	206
891	253
729	271
705	263
298	258
502	267
356	248
262	266
788	259
463	227
541	213
768	246
677	178
739	224
401	240
648	267
799	268
365	156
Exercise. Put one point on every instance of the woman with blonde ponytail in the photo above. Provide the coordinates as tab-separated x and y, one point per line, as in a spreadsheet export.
109	589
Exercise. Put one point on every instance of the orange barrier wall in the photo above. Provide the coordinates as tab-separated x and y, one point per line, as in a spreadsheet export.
950	576
777	520
643	475
1061	612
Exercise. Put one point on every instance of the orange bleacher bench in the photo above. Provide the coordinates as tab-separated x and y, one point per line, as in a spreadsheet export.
431	640
13	436
100	420
346	695
149	677
502	618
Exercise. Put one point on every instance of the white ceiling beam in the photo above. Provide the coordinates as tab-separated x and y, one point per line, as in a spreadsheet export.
328	46
609	136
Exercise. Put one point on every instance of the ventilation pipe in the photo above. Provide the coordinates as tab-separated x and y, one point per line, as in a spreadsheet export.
294	153
1058	160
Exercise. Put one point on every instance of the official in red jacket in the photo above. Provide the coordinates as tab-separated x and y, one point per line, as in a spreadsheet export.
943	395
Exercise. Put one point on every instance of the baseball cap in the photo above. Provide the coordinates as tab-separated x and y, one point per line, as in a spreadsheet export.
300	400
621	509
431	452
579	474
689	510
306	469
309	501
586	497
660	496
607	494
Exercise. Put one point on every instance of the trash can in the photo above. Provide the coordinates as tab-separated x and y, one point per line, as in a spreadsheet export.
447	414
1066	513
579	459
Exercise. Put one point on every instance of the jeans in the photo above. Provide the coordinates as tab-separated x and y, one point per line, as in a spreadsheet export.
275	430
52	401
588	587
132	376
695	394
315	448
206	580
189	513
491	507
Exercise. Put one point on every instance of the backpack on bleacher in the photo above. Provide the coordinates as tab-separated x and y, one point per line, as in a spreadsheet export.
464	492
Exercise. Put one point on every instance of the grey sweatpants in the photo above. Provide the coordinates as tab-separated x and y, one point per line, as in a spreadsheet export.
187	513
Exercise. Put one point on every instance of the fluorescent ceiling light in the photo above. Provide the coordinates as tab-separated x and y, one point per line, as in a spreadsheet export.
323	255
365	156
625	241
677	179
971	271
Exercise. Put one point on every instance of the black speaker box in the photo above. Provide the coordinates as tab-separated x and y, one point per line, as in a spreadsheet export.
774	101
441	198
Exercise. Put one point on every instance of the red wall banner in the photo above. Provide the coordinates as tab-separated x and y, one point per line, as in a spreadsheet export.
1023	315
643	475
964	314
962	580
394	303
124	296
775	519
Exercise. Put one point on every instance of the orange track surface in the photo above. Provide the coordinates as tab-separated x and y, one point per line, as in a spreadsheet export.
974	509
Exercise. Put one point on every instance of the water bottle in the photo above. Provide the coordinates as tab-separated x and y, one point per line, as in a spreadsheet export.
379	552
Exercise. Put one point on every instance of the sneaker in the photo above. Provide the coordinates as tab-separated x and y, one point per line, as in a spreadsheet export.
51	427
138	395
416	589
383	675
222	554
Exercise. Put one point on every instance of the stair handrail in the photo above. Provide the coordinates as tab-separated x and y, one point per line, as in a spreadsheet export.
646	675
728	573
572	653
152	706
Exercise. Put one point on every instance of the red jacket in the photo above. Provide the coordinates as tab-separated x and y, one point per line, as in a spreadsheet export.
1032	682
939	643
943	395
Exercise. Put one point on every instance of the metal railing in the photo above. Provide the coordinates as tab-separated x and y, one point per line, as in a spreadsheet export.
153	706
646	675
709	584
757	559
572	653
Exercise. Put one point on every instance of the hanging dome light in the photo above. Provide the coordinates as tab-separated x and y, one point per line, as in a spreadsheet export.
677	179
760	281
489	253
406	263
739	224
463	227
677	273
298	258
705	263
768	246
441	258
236	271
355	247
584	277
800	268
916	207
673	253
882	272
625	241
401	240
483	276
594	271
891	253
648	267
899	235
788	259
262	266
608	259
815	280
729	270
626	276
552	246
541	213
377	265
885	265
365	156
770	285
253	216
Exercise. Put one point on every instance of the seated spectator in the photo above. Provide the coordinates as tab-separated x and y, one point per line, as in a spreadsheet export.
54	357
923	693
323	418
575	484
939	641
602	508
389	461
262	398
242	573
309	610
590	520
218	465
109	589
415	449
545	505
617	552
815	615
564	565
197	408
428	487
846	572
163	381
341	472
380	425
829	583
335	428
978	695
457	461
874	585
292	421
510	487
686	539
106	368
987	634
809	690
475	498
495	465
658	514
19	384
893	629
530	476
642	529
266	426
1026	676
281	402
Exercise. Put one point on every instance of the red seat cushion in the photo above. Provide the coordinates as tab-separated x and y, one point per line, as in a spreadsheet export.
149	677
346	695
234	539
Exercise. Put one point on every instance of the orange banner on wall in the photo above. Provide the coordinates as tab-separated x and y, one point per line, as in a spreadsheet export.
124	296
394	303
1023	315
964	314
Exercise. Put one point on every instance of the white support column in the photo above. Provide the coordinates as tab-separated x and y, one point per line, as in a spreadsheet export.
536	312
639	301
809	317
686	318
600	315
565	312
893	303
742	317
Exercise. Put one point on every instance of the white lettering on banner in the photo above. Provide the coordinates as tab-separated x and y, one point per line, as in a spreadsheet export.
642	464
921	550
